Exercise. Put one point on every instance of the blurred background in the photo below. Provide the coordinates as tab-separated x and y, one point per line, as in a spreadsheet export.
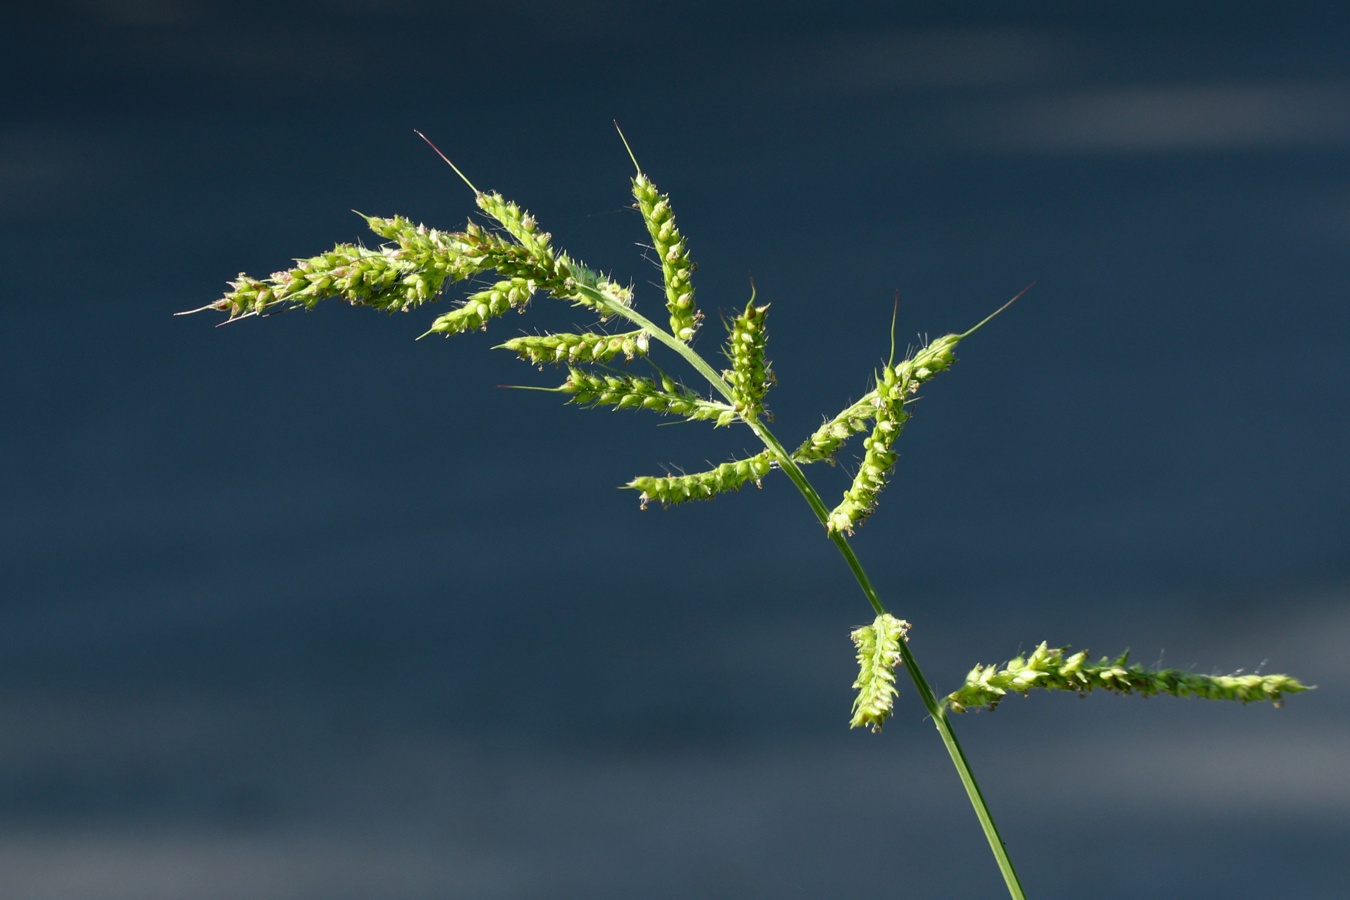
304	608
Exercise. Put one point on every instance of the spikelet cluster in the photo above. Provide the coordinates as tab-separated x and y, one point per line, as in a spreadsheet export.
878	647
750	374
1049	668
670	490
635	392
672	253
395	277
566	349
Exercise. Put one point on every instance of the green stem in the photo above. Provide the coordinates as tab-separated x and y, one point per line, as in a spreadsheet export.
939	716
935	710
808	491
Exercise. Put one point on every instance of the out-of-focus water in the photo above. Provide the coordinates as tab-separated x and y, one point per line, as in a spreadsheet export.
304	608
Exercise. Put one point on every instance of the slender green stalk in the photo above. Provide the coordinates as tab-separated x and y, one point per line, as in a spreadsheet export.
822	513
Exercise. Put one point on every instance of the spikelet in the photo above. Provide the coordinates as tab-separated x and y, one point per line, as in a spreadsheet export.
729	476
878	654
566	349
1048	668
672	253
750	374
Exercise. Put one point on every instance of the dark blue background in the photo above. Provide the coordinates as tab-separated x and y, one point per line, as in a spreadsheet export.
302	608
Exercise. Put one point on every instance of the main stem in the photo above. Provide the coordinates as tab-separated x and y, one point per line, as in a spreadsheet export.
936	711
785	461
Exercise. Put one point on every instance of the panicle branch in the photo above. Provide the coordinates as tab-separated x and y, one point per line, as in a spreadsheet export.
878	648
884	406
671	490
635	392
566	349
513	293
672	253
750	374
1048	668
878	456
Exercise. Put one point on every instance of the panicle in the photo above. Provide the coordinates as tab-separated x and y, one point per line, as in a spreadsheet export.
671	490
672	253
878	648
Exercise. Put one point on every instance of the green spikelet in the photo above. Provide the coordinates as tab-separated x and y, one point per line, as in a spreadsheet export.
750	374
566	349
513	293
673	255
1048	668
878	654
729	476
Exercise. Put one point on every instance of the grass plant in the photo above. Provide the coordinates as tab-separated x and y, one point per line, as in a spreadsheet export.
414	264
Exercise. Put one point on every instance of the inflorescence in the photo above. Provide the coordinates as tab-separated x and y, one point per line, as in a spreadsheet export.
414	264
